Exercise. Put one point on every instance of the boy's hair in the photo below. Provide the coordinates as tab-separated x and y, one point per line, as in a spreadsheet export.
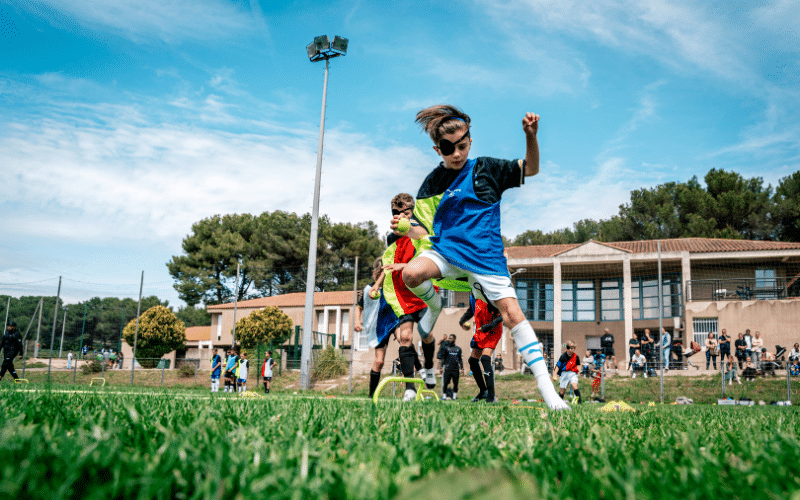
442	119
376	268
403	201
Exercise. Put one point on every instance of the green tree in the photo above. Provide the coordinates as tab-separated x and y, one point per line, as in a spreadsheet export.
786	208
273	250
194	316
160	332
266	326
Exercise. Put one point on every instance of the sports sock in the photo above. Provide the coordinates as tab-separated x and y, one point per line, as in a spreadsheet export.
477	373
428	294
407	356
427	353
578	393
530	348
488	375
374	379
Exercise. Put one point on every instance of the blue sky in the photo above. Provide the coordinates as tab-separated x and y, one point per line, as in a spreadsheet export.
125	122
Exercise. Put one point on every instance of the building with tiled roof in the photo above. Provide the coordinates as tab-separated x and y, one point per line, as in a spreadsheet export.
576	291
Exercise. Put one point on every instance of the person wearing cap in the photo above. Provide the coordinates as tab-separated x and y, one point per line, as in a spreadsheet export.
11	344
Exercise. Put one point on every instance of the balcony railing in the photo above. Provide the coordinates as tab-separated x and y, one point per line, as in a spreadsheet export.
742	289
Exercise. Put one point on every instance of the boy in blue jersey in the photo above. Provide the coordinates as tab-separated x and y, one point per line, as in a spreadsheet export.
216	371
459	206
230	377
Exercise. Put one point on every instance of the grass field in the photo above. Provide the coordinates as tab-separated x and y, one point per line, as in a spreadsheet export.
182	443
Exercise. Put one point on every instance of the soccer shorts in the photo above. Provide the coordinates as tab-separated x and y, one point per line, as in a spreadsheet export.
267	379
487	340
567	378
487	287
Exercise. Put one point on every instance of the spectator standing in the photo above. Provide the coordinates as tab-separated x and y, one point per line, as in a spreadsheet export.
666	340
453	367
646	349
633	346
724	345
741	350
607	345
120	359
216	371
712	349
85	350
758	345
266	371
11	344
748	352
69	360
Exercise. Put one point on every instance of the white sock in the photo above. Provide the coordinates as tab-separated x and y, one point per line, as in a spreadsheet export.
530	348
428	294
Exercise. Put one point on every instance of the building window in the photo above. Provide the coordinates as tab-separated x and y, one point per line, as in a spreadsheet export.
765	278
611	300
536	299
577	300
702	327
644	295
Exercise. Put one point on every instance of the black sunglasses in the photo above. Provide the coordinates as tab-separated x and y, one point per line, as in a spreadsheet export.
447	148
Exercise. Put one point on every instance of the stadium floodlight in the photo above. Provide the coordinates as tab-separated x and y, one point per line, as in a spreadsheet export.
317	51
339	45
322	48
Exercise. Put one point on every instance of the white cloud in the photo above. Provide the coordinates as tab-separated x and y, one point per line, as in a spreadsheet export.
112	178
145	21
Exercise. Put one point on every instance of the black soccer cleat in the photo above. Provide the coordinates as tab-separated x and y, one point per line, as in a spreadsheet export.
481	397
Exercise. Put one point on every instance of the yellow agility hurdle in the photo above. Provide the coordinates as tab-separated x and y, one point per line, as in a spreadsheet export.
21	381
91	382
404	380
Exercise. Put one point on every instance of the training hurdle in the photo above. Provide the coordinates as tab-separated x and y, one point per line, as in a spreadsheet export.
21	381
91	382
404	380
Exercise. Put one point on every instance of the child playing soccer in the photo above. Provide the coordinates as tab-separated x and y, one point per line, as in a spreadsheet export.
378	319
459	205
408	307
488	331
266	371
566	371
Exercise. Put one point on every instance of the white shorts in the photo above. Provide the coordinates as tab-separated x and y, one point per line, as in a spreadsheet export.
487	287
567	378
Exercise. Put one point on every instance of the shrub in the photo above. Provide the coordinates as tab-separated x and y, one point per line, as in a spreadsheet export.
186	371
93	366
329	364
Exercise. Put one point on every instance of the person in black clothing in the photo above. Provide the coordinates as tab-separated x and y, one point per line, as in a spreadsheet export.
11	344
607	344
741	349
453	367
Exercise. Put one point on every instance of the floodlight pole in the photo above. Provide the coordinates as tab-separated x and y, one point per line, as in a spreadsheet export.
308	312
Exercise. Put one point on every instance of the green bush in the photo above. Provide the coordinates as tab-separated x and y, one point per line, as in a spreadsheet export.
186	371
93	366
329	365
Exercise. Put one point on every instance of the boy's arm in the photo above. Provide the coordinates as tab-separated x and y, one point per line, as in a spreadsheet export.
530	124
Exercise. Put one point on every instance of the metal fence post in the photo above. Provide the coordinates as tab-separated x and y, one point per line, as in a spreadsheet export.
196	369
163	366
53	335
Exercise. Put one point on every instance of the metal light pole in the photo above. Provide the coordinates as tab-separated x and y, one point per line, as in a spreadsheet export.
320	49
